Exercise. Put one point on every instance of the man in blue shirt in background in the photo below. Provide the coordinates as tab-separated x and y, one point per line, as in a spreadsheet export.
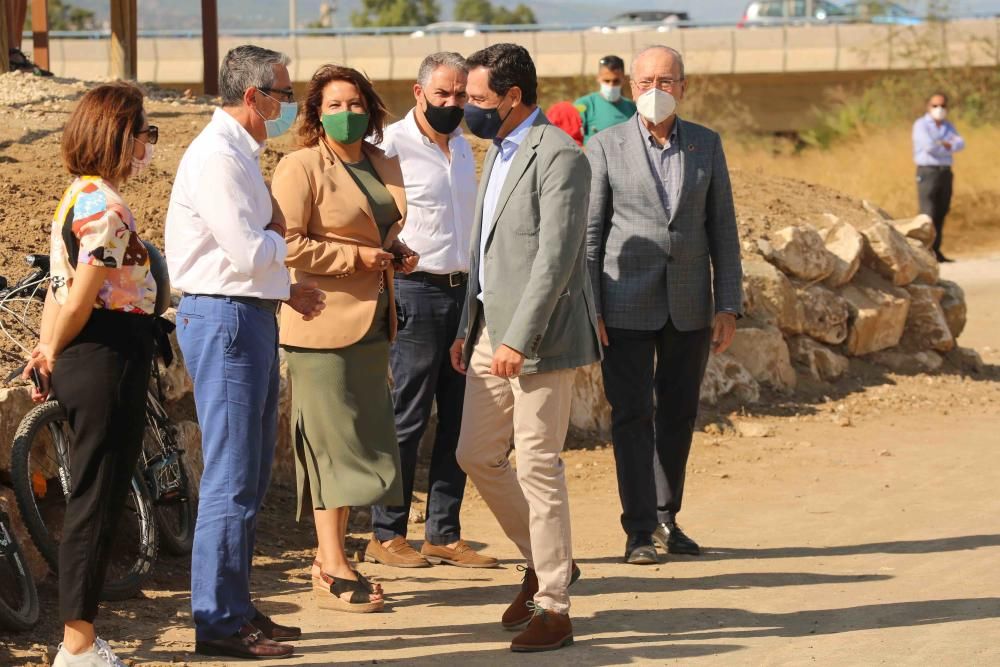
935	140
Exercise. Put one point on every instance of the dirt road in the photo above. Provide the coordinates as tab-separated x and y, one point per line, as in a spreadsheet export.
876	543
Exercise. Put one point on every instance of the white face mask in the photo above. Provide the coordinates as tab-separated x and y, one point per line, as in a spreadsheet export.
656	105
939	113
611	93
139	165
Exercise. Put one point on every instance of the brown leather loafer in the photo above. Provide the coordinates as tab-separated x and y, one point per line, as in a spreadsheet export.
247	642
462	555
399	553
274	631
547	631
519	612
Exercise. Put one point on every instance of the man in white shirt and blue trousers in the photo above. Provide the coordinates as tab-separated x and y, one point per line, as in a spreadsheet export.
440	176
935	141
226	251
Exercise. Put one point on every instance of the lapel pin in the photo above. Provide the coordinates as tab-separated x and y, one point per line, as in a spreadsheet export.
690	148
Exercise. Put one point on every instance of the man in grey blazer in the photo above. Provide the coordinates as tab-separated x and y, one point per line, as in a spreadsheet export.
661	234
529	319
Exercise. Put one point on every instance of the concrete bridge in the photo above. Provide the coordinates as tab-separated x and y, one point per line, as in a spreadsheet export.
801	60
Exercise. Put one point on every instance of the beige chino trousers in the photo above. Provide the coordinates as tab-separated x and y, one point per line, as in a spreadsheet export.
532	504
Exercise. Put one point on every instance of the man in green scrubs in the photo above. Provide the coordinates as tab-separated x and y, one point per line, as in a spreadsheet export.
607	107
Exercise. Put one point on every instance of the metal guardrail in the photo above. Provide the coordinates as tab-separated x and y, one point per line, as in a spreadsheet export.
180	33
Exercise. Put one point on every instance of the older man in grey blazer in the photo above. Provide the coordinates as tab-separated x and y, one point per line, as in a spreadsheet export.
529	319
661	233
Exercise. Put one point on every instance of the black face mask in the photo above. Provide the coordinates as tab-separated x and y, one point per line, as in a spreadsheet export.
443	119
485	122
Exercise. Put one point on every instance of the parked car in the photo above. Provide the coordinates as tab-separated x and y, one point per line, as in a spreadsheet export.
644	20
877	11
466	28
786	12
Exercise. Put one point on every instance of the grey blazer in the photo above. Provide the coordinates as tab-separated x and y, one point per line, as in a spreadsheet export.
538	299
646	268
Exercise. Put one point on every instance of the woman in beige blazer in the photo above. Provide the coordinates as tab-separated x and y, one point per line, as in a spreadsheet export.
343	205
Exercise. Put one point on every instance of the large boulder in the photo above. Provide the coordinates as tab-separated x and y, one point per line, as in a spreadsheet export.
877	212
727	378
824	314
926	326
846	245
907	363
888	253
14	404
590	413
800	252
764	353
928	269
769	296
920	228
818	360
174	379
953	305
877	313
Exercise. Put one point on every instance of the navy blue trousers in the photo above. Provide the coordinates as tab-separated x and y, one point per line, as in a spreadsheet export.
428	318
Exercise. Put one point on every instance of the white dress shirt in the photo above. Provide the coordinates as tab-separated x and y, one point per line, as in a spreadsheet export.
215	237
440	195
498	174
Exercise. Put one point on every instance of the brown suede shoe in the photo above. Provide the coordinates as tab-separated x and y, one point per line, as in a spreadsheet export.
519	612
272	630
248	642
399	553
462	555
547	631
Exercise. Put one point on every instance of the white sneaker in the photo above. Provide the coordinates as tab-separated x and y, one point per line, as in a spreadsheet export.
98	655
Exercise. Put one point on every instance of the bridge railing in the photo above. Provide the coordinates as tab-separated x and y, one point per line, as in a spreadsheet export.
176	57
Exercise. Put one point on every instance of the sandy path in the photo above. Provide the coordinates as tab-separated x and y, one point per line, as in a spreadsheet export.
875	544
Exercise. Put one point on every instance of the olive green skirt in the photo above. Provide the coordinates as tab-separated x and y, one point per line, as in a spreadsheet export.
343	428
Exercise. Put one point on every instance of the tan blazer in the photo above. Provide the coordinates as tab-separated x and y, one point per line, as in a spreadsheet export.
328	218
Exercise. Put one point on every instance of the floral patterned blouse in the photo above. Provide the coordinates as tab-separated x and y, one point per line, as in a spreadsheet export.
93	217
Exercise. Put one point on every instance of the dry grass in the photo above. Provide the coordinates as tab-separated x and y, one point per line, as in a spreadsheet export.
877	165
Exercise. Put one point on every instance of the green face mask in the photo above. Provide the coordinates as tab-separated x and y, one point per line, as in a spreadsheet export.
345	127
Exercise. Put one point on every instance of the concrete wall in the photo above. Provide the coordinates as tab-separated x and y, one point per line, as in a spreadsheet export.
821	48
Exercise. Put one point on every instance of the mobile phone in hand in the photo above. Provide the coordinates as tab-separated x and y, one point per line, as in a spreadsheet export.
36	379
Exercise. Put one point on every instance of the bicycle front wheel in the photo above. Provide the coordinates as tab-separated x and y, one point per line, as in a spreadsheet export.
18	596
40	467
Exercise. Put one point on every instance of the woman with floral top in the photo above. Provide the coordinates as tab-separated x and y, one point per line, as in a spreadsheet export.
96	345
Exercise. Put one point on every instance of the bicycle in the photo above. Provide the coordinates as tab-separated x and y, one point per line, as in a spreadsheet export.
160	510
18	595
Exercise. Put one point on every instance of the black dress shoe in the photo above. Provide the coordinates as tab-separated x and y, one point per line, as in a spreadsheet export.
273	631
639	550
669	537
247	642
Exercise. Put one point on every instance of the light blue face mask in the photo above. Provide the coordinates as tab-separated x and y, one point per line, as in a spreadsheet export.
281	124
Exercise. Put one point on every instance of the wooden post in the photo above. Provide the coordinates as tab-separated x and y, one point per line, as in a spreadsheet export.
4	46
40	32
124	39
210	46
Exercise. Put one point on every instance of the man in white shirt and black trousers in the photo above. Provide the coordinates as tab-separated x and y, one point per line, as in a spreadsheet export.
226	250
440	176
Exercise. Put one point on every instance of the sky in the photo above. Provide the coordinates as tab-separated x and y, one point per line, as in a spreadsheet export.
182	14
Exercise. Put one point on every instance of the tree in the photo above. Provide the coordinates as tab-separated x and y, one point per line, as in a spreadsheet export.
483	12
64	16
390	13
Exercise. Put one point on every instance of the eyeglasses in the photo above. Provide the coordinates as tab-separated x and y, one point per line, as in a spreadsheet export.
662	84
287	94
153	133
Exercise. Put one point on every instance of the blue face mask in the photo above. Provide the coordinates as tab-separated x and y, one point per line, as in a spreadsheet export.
284	121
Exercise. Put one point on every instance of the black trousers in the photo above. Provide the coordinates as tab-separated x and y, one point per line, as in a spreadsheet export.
100	379
934	185
652	381
428	317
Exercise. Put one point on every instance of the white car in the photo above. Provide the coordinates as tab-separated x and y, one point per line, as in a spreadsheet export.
644	20
466	28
